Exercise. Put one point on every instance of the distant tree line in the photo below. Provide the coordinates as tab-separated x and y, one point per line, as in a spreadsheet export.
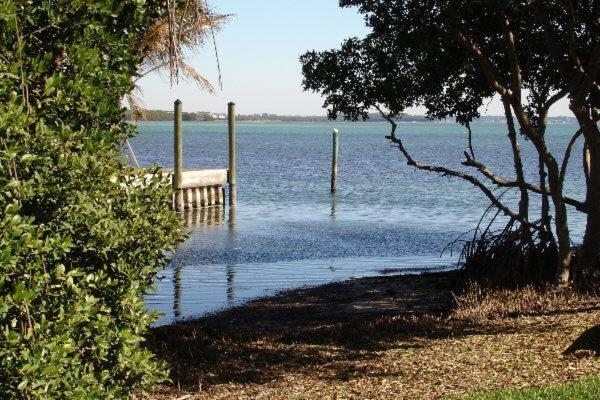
205	116
163	115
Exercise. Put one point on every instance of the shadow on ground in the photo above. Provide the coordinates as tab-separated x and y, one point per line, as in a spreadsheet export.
333	331
587	343
321	330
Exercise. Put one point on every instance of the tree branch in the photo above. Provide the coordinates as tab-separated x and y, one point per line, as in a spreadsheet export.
552	41
469	44
512	56
468	125
565	163
494	83
571	36
447	172
503	182
579	80
517	160
552	100
590	75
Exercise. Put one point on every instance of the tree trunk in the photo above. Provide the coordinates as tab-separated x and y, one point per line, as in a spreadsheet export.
561	224
545	211
518	162
590	251
561	220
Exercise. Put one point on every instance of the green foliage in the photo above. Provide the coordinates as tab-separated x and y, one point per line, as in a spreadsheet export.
79	242
411	56
588	389
452	57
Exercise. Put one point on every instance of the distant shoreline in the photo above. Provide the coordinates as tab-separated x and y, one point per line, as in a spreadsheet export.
204	116
326	121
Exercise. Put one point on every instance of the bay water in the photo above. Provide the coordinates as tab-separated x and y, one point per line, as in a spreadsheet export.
288	231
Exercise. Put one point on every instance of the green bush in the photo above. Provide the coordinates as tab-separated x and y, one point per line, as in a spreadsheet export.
79	244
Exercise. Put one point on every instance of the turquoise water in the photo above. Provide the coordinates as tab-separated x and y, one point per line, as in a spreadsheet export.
288	231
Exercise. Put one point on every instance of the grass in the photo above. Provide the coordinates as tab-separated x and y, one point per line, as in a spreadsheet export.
586	389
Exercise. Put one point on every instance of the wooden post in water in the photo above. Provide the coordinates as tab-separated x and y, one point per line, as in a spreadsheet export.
232	154
335	160
178	157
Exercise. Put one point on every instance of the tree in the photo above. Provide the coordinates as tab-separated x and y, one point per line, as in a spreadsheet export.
451	57
80	242
570	31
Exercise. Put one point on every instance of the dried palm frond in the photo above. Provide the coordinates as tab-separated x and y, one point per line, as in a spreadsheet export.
189	72
183	29
136	105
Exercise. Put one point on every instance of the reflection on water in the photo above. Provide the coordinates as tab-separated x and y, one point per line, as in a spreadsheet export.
333	205
288	230
211	216
231	267
202	218
186	290
177	292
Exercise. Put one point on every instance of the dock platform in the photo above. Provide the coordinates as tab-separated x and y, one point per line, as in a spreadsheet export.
201	188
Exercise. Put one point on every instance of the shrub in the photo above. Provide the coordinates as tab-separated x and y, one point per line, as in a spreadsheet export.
79	245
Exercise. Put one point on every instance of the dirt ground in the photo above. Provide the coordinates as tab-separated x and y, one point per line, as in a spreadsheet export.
392	337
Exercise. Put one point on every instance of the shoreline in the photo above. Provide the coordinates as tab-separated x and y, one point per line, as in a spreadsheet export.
371	295
378	278
387	337
327	122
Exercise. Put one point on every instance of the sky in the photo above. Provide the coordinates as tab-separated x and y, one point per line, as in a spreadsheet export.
259	49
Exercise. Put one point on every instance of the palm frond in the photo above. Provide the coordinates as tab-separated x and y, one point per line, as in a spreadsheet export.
136	105
190	73
183	30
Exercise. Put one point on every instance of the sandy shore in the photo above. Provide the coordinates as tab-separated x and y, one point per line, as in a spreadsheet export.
392	337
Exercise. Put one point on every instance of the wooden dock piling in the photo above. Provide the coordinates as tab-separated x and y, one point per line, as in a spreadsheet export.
335	160
232	154
178	157
200	188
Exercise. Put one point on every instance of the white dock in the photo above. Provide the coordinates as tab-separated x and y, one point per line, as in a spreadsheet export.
200	188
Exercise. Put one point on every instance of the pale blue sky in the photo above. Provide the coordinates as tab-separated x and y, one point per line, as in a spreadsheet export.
259	49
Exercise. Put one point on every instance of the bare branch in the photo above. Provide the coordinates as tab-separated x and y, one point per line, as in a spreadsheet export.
512	56
470	133
552	100
503	182
565	163
572	36
447	172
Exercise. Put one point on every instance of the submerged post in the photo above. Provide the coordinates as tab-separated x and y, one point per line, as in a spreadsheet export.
178	157
232	154
335	159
